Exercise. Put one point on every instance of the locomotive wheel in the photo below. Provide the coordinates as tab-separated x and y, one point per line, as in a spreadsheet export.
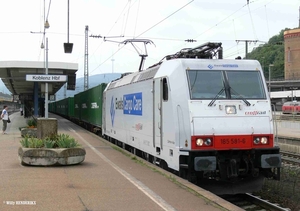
183	173
163	164
145	156
192	178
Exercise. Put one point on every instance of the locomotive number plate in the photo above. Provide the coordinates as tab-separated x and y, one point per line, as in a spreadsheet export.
233	140
241	141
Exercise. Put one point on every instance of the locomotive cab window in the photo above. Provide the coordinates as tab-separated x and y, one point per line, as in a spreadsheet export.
206	84
217	84
246	84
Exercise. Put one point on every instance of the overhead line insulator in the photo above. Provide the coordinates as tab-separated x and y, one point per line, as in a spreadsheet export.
190	40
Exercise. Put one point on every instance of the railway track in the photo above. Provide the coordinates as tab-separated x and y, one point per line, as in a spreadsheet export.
250	202
291	158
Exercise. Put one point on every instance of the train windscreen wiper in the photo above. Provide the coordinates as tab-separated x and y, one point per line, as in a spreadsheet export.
246	101
216	97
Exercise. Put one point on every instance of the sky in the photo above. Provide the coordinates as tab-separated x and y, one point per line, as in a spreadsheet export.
167	23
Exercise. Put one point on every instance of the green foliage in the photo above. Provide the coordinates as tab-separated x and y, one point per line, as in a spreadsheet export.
271	53
24	142
49	143
30	142
54	141
65	141
31	123
35	143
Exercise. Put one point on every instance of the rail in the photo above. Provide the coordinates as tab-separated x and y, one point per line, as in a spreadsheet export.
264	203
291	158
249	202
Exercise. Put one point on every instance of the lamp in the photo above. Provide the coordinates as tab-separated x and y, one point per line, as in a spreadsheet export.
47	25
270	65
68	47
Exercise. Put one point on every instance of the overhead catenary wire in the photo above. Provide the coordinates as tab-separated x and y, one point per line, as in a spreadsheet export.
48	10
126	20
168	39
165	18
129	5
267	22
237	46
92	55
136	19
146	31
220	22
253	28
215	25
150	28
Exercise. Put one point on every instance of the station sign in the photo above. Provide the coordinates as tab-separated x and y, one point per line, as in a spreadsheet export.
16	98
46	78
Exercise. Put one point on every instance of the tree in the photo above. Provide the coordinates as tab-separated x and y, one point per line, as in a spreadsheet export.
271	53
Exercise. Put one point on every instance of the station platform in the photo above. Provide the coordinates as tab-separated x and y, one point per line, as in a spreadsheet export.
288	133
108	179
288	129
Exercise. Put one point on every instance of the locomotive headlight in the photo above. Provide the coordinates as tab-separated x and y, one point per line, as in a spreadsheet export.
264	140
199	142
256	140
230	109
260	140
207	142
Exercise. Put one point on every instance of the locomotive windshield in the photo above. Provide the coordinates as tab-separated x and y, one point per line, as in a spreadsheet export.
205	84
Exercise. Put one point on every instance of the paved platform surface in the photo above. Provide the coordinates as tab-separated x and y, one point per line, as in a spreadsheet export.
289	136
107	180
289	129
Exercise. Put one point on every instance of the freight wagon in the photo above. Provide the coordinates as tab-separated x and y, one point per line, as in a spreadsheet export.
85	108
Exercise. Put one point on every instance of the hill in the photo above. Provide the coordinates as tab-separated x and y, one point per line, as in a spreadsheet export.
94	80
271	52
3	89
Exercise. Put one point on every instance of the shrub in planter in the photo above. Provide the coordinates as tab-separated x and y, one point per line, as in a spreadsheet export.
55	141
60	149
30	129
32	123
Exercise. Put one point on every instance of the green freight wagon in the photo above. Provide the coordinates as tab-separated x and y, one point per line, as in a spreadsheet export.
70	107
60	107
77	108
96	101
51	107
90	106
65	107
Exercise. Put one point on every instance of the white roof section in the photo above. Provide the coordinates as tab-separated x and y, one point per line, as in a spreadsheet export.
13	75
38	65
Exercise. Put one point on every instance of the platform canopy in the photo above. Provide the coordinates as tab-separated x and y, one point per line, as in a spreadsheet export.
13	75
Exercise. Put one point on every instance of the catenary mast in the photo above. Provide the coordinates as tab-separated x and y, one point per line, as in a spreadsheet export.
86	60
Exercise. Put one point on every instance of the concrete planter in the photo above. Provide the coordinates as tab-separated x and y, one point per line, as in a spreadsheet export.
51	157
32	132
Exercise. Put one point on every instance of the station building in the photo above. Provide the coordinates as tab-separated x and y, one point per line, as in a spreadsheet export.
292	54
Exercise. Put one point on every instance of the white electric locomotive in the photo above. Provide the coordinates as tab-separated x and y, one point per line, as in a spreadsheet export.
203	118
